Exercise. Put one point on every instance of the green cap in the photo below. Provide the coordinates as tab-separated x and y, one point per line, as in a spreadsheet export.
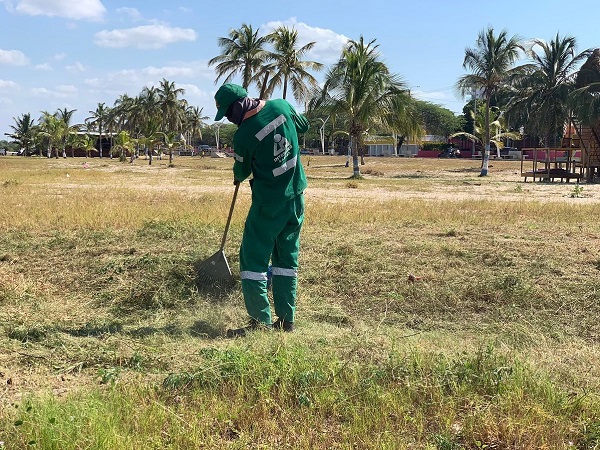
226	95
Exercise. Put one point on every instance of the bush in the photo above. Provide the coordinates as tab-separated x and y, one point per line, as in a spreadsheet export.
435	146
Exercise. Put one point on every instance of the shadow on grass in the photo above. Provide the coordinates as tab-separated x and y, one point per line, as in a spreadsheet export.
415	176
169	330
203	329
328	166
466	170
198	329
94	330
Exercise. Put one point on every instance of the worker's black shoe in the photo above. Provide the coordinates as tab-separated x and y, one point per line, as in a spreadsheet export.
253	325
283	325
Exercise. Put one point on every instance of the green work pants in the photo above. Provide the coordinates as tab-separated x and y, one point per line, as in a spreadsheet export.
271	233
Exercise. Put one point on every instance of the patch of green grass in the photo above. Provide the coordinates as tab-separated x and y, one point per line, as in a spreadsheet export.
246	398
423	321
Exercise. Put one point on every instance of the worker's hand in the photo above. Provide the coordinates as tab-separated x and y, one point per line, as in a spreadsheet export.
235	182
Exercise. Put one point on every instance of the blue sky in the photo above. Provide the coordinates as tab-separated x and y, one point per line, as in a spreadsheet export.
75	54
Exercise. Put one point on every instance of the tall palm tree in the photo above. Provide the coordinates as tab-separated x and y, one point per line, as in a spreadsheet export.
288	67
66	116
98	119
194	121
361	88
151	136
543	93
170	105
23	132
491	64
585	101
121	110
242	52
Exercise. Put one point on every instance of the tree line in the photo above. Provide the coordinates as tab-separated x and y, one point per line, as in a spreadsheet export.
360	96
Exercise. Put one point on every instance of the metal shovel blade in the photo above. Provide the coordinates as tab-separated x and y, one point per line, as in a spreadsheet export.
215	271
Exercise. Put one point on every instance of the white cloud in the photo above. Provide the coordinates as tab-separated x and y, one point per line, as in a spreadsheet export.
328	44
62	91
169	72
144	37
77	67
133	13
13	58
8	85
69	9
44	67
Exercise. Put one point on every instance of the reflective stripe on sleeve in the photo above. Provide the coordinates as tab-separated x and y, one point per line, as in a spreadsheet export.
238	157
285	167
254	276
285	272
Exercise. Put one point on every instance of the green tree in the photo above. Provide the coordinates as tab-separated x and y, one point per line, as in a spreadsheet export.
171	107
123	145
98	120
543	93
288	67
23	132
585	100
194	121
243	53
498	129
361	88
491	63
87	143
70	130
54	130
438	120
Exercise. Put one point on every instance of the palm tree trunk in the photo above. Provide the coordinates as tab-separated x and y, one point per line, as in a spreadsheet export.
486	152
355	165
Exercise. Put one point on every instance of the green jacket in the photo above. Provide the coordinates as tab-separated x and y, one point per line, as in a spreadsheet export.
266	147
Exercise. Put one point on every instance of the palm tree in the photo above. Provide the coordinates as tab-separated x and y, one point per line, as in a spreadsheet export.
123	144
121	111
287	66
98	119
170	105
87	143
360	88
194	121
170	140
585	101
151	136
543	93
491	65
497	124
242	52
65	115
23	132
54	130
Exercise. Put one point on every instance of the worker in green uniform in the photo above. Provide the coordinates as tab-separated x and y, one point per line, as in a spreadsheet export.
266	146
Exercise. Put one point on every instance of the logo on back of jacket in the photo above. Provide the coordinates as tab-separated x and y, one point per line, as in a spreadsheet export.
281	148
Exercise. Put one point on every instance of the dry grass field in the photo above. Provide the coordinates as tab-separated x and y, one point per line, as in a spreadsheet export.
436	309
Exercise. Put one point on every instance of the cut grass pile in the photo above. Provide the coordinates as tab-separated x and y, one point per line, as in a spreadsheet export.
449	322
